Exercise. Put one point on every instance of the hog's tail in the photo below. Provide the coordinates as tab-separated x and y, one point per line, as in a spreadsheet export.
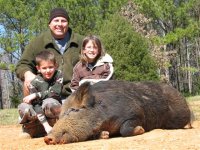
192	118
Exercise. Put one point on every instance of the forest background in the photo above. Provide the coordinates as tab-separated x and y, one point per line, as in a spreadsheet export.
155	40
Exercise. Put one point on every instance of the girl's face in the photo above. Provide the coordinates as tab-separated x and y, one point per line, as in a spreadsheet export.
47	69
91	51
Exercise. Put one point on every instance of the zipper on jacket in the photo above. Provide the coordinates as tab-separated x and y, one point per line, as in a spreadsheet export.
62	61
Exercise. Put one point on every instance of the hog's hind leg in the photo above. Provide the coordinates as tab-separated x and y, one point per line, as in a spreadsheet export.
131	128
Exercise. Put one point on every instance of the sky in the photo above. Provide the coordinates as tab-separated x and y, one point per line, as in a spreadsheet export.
1	32
1	29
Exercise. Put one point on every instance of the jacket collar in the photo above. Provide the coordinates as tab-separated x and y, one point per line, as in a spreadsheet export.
50	40
105	59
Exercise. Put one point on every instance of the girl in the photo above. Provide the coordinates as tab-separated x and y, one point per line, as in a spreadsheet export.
95	65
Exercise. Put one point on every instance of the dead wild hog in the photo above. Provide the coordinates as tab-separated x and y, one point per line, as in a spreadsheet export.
115	108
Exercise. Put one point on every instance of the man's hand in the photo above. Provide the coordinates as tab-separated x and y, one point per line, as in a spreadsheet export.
29	98
28	77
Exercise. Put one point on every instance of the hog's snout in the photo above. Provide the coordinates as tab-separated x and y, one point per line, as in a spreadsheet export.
49	140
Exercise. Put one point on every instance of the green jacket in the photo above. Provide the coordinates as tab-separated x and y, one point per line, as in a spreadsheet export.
66	61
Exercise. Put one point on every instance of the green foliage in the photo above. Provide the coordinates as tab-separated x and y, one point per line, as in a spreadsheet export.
86	15
191	69
173	19
178	26
173	36
15	100
132	60
18	21
12	67
3	66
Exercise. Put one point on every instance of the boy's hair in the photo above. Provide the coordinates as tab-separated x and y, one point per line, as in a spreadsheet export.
45	56
96	41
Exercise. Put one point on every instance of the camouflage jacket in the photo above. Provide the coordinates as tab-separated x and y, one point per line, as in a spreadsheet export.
47	89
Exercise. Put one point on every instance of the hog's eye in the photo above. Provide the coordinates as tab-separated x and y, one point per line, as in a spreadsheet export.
72	109
83	106
67	112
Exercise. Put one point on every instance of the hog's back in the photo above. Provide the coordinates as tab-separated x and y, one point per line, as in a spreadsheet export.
155	105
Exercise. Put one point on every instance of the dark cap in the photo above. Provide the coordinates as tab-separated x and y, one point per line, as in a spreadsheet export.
58	12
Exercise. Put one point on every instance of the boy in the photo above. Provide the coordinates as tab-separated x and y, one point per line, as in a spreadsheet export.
44	99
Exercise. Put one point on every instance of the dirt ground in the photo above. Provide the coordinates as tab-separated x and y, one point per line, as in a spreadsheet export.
158	139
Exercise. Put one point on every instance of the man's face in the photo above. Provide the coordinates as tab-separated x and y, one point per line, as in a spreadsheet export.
59	27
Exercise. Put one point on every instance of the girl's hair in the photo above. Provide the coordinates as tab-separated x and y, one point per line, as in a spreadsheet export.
45	56
96	41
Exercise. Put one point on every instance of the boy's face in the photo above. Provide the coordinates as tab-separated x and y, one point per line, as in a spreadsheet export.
47	69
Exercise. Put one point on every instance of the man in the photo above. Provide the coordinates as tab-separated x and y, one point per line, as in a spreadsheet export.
62	41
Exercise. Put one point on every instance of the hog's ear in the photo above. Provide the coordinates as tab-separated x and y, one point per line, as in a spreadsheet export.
84	95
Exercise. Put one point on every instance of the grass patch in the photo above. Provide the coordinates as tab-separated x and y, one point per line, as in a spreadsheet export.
8	116
194	104
193	98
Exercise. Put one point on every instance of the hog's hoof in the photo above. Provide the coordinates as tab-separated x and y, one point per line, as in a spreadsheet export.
104	135
188	126
49	141
138	130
